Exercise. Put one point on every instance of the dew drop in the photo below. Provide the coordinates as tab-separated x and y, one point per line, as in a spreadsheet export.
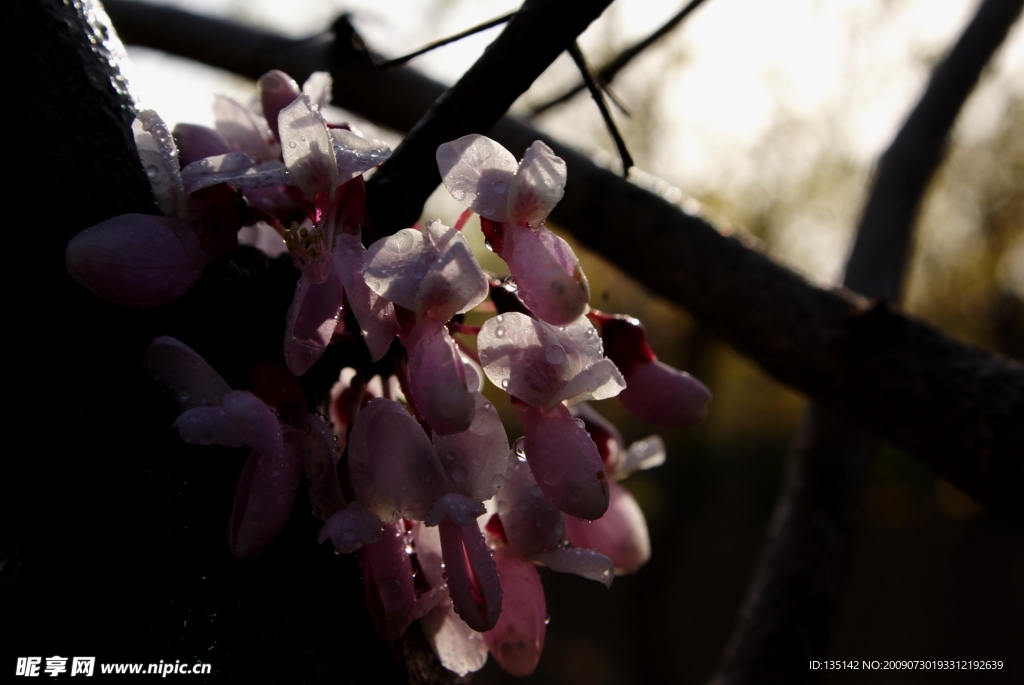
487	244
500	333
500	187
580	423
292	144
520	448
547	619
500	318
302	138
183	395
589	333
459	475
554	354
497	482
504	383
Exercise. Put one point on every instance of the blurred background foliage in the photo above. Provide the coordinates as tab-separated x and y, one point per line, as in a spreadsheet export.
770	116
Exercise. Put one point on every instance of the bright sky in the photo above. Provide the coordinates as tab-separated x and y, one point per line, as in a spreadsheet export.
847	70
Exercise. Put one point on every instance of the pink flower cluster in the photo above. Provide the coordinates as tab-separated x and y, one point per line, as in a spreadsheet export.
413	471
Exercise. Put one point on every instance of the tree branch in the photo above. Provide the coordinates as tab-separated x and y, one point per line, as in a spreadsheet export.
792	606
952	405
531	41
608	72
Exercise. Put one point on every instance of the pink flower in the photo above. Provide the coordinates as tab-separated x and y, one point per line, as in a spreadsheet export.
654	391
433	275
141	260
514	200
544	366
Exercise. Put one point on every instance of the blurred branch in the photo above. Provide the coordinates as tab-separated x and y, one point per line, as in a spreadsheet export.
590	78
792	606
399	61
608	72
530	42
952	405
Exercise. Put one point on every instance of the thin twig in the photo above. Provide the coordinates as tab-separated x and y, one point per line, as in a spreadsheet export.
608	72
531	41
894	374
399	61
595	92
792	606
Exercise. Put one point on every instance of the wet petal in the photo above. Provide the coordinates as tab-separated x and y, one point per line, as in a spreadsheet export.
137	260
469	565
621	534
564	461
308	149
197	142
598	381
517	639
550	280
478	172
356	154
437	379
159	157
241	419
459	648
265	494
209	171
311	321
538	186
583	562
641	455
393	467
244	129
454	282
664	396
395	265
375	314
351	528
475	460
534	361
320	462
318	88
531	523
388	582
183	374
277	90
605	435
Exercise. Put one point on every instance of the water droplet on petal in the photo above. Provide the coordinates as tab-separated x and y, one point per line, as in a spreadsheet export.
500	187
500	318
520	448
292	144
500	333
459	475
547	619
504	383
183	395
554	354
580	423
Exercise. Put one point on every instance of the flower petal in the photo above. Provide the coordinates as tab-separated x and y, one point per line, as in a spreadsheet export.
437	379
393	467
320	462
137	260
209	171
375	314
538	186
265	497
475	460
311	321
621	534
388	582
478	172
598	381
454	283
308	149
198	142
565	462
183	374
664	396
277	90
244	129
469	565
241	419
159	156
459	648
583	562
547	272
641	455
395	265
318	88
356	154
517	639
351	528
531	523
